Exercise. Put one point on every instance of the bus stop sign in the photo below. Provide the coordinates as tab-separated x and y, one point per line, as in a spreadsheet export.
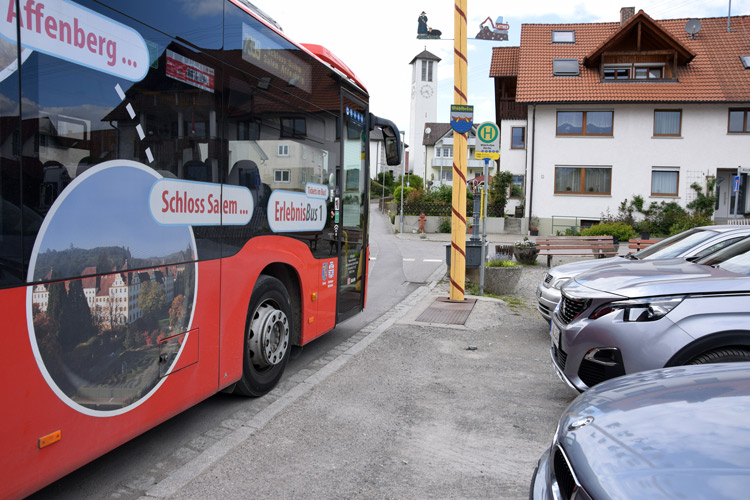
488	142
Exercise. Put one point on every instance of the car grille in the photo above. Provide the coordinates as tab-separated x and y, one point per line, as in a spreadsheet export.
560	356
547	279
566	481
570	308
591	373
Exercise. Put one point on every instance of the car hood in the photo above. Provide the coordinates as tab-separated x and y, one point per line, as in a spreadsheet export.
581	266
680	432
659	277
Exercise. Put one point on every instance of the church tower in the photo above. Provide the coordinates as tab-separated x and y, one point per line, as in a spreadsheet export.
423	108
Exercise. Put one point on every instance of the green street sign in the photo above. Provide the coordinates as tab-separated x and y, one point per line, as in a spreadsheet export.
488	142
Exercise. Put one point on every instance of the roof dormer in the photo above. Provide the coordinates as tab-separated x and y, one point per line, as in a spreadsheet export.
640	50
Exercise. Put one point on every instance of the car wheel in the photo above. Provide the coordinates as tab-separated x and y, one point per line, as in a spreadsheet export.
267	338
723	355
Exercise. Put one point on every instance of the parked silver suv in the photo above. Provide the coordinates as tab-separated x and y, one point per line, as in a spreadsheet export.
691	244
634	316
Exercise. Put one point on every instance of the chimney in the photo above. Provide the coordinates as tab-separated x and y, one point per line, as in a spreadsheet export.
625	14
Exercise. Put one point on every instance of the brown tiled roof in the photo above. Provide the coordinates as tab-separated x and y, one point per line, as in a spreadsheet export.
715	74
504	61
437	131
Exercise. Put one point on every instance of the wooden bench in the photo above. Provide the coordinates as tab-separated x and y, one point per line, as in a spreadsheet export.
640	244
599	246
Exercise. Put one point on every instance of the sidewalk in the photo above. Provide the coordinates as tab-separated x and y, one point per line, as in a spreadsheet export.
408	410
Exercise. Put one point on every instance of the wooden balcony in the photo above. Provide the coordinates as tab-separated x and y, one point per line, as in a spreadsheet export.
510	110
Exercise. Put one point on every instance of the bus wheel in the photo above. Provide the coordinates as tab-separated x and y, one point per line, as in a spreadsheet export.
267	340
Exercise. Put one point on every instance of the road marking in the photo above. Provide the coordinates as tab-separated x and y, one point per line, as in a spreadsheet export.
408	260
431	260
373	258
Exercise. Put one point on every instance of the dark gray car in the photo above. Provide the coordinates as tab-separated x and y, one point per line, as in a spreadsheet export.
626	318
680	432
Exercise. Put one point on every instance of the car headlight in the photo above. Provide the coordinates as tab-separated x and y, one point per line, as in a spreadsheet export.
647	309
560	282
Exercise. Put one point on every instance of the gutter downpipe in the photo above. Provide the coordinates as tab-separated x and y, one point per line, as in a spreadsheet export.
533	151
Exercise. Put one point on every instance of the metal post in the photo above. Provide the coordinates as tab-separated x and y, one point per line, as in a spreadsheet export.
484	225
382	179
401	230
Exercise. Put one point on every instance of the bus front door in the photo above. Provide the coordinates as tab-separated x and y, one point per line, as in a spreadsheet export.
352	217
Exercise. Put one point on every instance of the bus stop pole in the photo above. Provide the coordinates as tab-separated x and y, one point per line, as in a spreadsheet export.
484	225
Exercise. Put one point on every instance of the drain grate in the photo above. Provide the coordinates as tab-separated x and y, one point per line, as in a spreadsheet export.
448	312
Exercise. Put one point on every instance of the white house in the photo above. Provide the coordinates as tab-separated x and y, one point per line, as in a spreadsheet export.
592	114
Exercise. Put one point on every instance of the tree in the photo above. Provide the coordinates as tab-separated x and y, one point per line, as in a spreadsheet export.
151	301
703	205
499	188
177	312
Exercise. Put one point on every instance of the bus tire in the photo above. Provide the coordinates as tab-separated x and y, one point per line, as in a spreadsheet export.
267	337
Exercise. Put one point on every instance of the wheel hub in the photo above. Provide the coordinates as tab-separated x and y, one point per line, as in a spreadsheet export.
269	336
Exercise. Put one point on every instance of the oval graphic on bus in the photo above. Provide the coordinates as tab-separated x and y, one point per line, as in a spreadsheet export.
292	211
111	311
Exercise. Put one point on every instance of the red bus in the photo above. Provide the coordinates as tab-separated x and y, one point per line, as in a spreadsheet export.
183	197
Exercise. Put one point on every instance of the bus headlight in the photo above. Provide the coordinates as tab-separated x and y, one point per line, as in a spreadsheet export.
646	309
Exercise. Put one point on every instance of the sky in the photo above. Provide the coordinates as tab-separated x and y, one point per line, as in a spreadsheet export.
377	40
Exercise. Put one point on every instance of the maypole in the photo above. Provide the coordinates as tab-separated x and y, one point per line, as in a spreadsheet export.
460	156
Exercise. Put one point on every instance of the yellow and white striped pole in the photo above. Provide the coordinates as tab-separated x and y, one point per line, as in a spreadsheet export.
460	155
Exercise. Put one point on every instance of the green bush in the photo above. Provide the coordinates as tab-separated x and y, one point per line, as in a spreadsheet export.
397	193
445	225
501	263
376	190
415	181
620	230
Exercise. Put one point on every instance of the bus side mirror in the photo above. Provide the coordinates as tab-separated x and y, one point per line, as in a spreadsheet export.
391	139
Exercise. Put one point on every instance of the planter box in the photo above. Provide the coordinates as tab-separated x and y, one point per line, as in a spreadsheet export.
501	280
526	255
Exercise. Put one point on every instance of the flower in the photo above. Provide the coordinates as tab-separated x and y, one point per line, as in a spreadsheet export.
526	243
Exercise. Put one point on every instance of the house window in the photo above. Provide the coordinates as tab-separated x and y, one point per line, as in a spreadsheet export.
446	174
649	72
667	122
583	180
516	187
646	71
584	123
437	152
617	73
282	150
518	137
664	182
565	67
563	37
739	121
293	127
448	152
281	175
745	61
427	71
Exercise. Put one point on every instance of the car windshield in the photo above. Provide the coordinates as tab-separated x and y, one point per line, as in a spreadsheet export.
735	258
676	245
